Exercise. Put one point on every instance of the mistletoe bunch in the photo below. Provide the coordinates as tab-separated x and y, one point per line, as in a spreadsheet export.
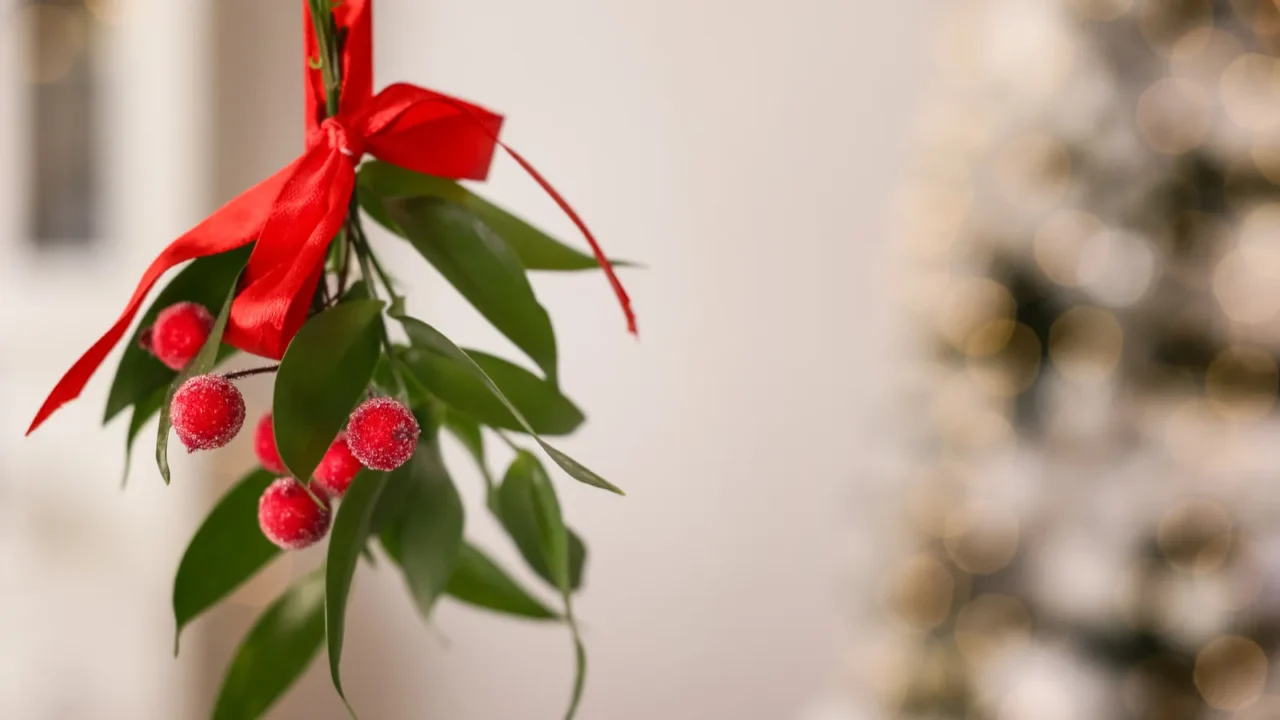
350	450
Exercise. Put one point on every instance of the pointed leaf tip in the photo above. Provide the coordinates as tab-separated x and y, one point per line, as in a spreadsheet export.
425	337
347	538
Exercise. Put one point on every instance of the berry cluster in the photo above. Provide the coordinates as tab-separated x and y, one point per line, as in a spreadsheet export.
208	411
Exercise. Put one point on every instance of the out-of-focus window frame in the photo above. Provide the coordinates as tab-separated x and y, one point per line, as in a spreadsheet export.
61	90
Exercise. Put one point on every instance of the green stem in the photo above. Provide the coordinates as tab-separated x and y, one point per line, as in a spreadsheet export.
306	487
361	240
516	448
330	67
251	371
364	255
382	274
344	252
580	656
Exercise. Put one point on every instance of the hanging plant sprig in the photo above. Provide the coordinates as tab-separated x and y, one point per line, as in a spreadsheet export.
349	450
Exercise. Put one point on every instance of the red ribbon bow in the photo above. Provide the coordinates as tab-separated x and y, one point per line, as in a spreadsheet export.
295	213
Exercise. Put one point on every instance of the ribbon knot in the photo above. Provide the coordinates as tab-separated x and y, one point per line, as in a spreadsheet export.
338	138
292	216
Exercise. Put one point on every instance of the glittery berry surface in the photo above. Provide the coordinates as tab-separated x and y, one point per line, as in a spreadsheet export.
289	517
207	412
338	467
264	446
178	333
382	434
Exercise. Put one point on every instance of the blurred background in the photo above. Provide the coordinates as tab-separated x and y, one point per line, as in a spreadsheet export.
955	397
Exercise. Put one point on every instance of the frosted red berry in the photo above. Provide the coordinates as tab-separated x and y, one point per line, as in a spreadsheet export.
264	446
178	333
289	517
382	434
338	467
207	411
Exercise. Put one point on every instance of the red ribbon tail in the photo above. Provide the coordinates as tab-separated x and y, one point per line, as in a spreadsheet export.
623	299
235	224
73	382
401	108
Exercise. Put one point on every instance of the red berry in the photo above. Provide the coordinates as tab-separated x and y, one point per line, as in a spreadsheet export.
338	468
207	411
289	517
382	434
264	446
178	333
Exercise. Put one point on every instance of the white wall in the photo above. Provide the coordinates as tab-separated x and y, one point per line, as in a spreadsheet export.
746	150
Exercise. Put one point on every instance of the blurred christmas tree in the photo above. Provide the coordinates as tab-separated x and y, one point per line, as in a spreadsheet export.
1094	234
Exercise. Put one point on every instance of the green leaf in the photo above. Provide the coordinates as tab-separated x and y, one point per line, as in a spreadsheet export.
427	531
359	290
517	511
392	504
201	364
536	249
205	281
323	376
477	580
390	540
553	541
425	337
275	653
469	434
453	382
347	540
228	549
481	266
383	378
142	413
527	480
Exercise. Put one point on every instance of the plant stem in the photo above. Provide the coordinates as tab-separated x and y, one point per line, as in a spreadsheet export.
364	254
344	251
327	299
362	241
507	440
306	487
330	66
382	274
251	371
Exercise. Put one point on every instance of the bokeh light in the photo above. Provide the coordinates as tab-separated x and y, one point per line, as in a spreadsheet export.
1195	537
1173	116
1241	382
991	624
1103	10
1098	430
1086	342
981	539
1231	672
922	592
